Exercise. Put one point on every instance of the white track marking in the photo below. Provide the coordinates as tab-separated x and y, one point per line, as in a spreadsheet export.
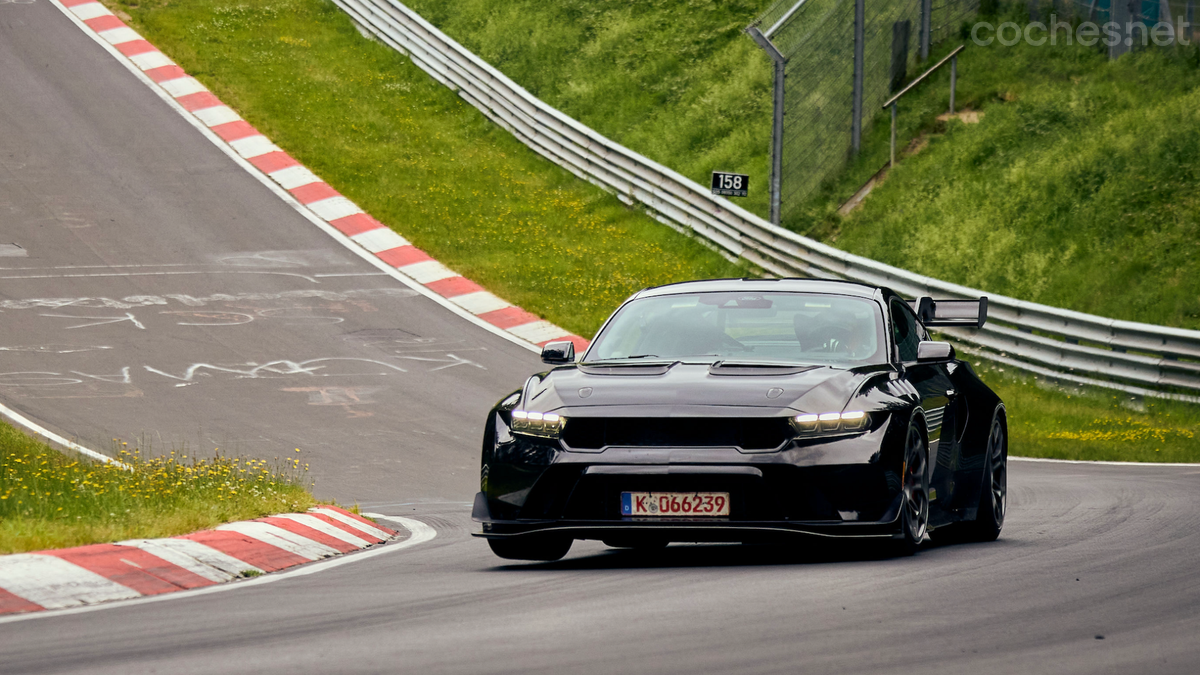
333	208
1086	461
91	10
55	438
205	554
253	146
380	239
352	522
182	86
150	61
538	331
428	272
216	115
118	36
293	177
277	536
175	556
55	583
420	533
324	527
480	302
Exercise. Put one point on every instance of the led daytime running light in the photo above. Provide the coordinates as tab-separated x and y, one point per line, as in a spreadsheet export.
808	423
548	425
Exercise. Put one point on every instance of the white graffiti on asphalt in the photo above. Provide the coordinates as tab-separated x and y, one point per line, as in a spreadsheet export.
200	301
97	320
281	367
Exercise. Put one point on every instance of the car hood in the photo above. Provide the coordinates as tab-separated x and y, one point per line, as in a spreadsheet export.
686	389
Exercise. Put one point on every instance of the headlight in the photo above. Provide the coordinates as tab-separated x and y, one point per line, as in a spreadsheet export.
810	423
546	425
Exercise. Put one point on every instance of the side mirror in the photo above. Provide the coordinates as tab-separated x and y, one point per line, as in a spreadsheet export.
929	352
558	353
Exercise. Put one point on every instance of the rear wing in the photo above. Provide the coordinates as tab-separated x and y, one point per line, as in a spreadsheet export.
962	313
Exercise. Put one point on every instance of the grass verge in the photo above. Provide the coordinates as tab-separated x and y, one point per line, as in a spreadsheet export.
418	158
49	499
1070	422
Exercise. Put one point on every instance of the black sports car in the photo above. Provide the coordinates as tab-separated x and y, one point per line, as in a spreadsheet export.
749	410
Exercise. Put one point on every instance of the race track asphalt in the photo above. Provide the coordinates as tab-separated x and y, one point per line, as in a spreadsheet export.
168	296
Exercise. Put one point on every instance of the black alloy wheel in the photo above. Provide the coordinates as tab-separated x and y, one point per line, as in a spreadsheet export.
914	516
993	494
993	503
544	548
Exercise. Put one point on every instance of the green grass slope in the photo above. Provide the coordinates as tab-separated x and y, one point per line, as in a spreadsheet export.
675	80
1078	188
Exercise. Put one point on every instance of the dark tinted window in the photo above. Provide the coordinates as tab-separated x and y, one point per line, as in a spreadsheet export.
906	332
745	327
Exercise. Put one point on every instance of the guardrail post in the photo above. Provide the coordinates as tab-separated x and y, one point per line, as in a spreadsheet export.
856	122
926	22
953	81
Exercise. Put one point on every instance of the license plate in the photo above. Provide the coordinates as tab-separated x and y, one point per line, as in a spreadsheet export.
674	504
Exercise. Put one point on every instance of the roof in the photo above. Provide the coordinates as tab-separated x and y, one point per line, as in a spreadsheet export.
828	286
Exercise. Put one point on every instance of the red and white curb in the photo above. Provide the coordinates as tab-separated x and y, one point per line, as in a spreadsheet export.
88	575
306	187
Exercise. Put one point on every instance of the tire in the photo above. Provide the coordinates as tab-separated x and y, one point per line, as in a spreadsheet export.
993	498
545	549
914	510
993	495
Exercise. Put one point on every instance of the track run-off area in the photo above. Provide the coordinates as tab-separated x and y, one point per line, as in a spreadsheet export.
168	296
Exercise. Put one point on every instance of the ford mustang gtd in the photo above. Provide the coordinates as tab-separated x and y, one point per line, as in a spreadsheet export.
749	410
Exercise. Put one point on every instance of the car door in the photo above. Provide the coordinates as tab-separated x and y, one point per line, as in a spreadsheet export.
932	383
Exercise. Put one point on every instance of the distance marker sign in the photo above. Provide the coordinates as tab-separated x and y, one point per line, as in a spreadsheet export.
730	184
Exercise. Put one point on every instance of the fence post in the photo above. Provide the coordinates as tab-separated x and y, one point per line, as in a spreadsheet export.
892	162
953	81
777	143
926	23
1120	14
856	122
780	63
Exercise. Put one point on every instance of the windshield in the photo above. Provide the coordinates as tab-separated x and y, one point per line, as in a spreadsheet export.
784	328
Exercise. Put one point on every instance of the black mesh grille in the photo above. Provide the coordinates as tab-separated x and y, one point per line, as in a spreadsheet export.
761	433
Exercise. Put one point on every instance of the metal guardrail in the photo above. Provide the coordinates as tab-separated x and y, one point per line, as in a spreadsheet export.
1124	355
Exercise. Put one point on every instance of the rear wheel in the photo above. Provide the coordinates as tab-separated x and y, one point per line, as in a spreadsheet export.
993	498
531	548
914	515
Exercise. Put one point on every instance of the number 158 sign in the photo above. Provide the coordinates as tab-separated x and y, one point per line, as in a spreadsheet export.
730	184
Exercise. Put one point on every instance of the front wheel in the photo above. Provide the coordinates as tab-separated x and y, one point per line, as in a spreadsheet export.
543	548
914	516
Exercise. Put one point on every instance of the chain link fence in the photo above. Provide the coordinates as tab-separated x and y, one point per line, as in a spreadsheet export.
840	60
